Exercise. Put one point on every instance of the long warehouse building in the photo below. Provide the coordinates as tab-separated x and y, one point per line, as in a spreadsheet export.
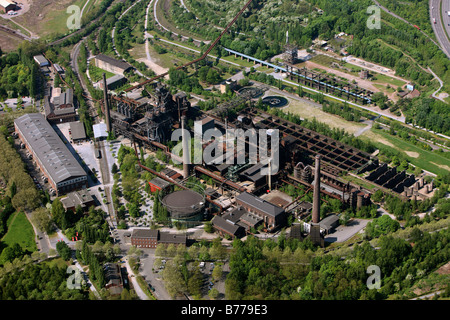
54	159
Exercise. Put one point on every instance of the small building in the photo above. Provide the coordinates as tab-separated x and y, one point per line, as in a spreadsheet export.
158	184
226	227
6	6
77	131
364	74
410	86
100	130
80	198
150	238
201	126
113	278
328	224
40	59
58	68
110	64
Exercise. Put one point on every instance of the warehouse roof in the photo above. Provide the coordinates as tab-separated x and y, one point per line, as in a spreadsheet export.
40	59
117	63
48	147
77	130
260	204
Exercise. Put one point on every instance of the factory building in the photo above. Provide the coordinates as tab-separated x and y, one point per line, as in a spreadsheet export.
56	162
61	108
272	215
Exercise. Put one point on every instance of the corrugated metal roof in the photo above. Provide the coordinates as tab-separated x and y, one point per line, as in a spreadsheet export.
57	160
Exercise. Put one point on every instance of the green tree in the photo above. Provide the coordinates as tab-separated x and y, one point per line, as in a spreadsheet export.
63	250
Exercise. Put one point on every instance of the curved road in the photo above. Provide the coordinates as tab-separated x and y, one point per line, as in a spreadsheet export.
442	21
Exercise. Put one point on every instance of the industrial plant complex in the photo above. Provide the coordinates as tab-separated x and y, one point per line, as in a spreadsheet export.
212	150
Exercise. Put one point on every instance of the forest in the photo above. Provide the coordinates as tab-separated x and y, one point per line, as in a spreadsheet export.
38	281
287	269
19	75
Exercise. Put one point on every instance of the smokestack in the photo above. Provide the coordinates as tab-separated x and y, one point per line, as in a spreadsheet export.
107	115
316	198
185	148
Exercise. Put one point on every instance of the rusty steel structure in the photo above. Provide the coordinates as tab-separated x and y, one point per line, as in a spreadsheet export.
328	84
302	144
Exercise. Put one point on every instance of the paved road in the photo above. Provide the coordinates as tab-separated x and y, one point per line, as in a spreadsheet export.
442	21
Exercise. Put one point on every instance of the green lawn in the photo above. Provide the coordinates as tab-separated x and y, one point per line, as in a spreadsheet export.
96	73
386	79
20	231
426	160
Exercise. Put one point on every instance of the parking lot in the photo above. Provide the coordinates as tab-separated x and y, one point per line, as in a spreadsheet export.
343	233
12	104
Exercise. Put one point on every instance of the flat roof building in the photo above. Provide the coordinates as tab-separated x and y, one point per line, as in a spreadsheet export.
158	184
77	131
57	163
40	59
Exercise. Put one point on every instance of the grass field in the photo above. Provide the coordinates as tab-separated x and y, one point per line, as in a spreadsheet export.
47	17
381	78
20	231
96	73
308	111
426	160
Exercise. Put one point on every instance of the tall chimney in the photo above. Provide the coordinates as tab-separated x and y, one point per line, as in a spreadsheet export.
185	142
316	198
107	115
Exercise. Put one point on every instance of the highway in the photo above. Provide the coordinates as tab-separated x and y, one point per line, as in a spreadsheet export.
442	21
447	52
